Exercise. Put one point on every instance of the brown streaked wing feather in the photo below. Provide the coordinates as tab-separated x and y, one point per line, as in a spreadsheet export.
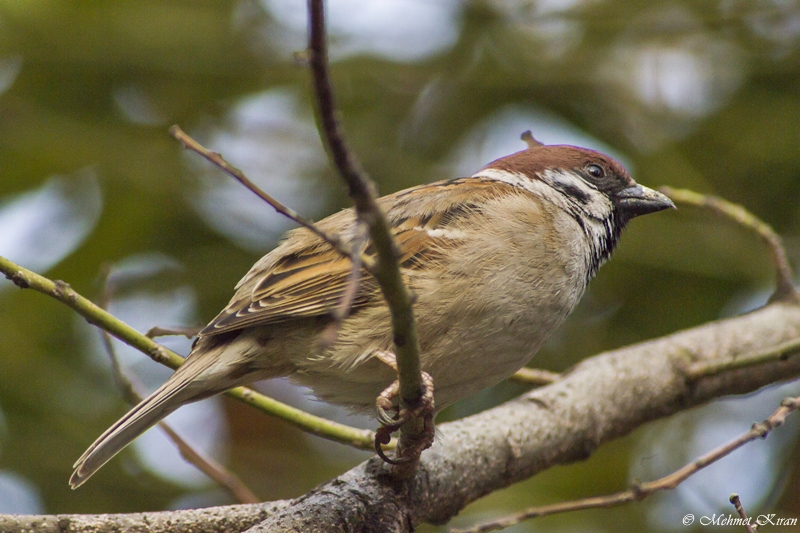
297	286
310	281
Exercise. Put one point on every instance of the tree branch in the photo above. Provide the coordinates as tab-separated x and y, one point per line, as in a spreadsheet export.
737	504
224	519
211	468
642	490
602	398
27	279
535	376
784	289
333	240
781	352
363	192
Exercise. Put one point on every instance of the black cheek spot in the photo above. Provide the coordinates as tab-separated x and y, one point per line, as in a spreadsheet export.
575	192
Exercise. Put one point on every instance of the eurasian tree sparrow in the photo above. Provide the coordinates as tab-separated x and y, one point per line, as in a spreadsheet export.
497	261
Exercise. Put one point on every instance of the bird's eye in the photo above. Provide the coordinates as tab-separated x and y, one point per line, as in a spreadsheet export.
596	171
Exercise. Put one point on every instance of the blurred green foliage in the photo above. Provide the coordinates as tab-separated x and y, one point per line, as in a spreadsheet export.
704	95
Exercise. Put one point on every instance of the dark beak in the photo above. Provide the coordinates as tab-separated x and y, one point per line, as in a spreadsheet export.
640	200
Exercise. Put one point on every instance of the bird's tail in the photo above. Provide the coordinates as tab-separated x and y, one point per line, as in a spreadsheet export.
193	381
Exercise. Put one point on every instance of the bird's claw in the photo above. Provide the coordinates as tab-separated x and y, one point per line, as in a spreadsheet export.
390	423
385	403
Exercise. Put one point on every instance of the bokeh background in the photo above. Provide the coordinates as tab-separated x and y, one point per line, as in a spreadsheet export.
698	94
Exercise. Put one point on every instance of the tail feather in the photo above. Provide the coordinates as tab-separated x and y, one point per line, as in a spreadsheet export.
176	391
217	363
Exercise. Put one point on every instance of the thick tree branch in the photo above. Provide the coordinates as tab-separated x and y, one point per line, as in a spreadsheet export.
225	519
640	491
603	398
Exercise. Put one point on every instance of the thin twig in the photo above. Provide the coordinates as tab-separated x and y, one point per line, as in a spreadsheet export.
332	239
536	376
211	468
24	278
639	491
784	288
180	331
530	140
218	473
737	504
124	385
387	272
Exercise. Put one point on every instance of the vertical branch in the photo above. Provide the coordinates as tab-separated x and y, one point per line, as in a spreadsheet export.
361	188
363	192
737	504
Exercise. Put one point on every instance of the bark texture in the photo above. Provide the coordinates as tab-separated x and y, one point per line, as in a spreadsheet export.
603	398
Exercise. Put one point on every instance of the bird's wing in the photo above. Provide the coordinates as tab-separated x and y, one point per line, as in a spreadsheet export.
304	277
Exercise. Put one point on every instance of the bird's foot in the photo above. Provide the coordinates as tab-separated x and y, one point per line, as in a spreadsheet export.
411	446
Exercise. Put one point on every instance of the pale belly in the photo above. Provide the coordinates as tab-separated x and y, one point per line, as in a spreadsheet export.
464	349
477	323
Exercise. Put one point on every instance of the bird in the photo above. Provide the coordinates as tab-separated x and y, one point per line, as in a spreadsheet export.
496	262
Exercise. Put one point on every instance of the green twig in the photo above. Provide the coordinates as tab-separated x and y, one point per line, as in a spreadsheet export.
784	288
27	279
211	468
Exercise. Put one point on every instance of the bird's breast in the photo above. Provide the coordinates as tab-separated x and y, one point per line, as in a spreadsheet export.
503	295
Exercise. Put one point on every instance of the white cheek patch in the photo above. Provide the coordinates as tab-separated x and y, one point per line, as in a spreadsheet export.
563	178
512	178
591	208
596	205
517	179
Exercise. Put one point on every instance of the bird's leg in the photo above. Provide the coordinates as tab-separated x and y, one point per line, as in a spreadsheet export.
391	423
